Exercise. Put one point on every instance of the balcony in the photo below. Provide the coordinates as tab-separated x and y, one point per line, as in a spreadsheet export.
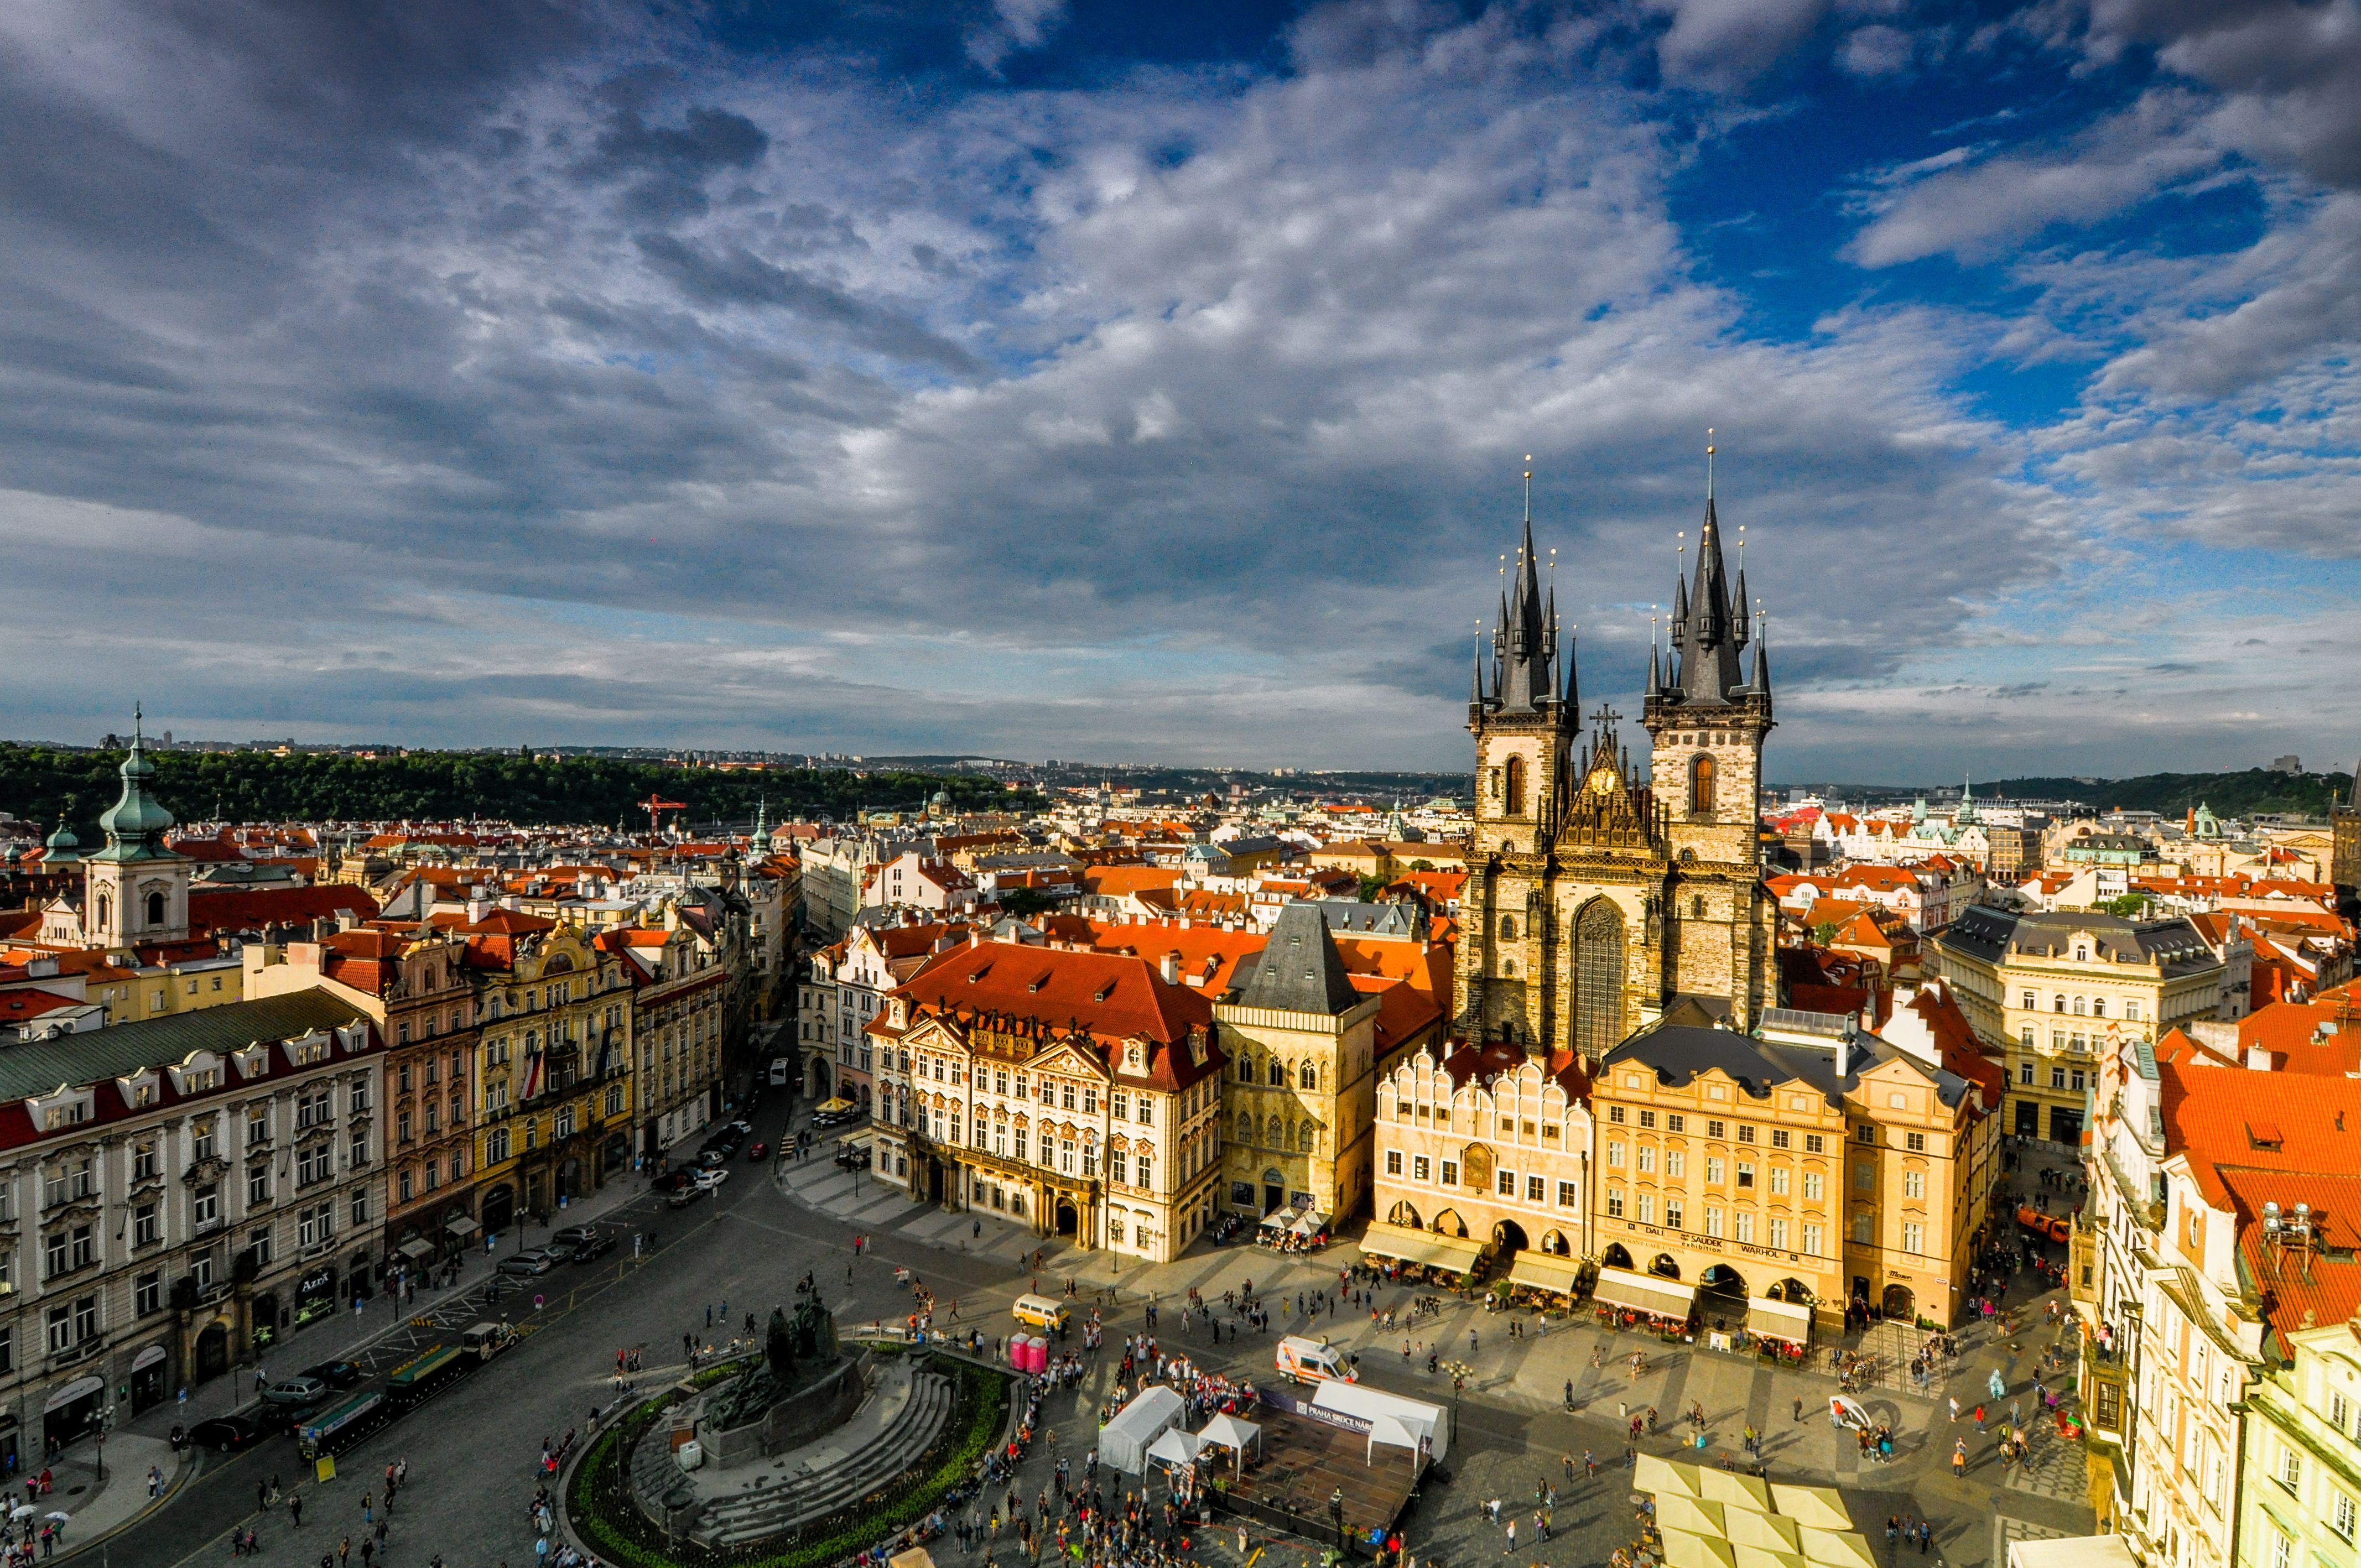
80	1350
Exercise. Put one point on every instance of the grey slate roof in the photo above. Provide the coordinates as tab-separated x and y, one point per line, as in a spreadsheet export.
1678	1052
38	1066
1991	934
1300	970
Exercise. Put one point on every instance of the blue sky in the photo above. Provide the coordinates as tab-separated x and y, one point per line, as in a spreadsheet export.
1049	378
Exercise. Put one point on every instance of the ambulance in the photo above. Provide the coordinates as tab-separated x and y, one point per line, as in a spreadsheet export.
1309	1361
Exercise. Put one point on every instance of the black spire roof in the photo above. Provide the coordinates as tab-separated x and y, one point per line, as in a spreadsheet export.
1300	970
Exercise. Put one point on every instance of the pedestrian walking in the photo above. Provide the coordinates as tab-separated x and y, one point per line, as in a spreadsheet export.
295	1508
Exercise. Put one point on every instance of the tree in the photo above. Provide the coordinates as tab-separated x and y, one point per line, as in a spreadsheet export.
1371	886
2131	905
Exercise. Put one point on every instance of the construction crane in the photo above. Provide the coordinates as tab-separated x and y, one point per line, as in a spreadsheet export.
656	803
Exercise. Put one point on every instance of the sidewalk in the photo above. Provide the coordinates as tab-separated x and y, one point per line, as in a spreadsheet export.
347	1334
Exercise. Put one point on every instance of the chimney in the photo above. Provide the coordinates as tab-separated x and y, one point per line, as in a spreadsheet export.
1844	1054
477	908
1172	968
2258	1059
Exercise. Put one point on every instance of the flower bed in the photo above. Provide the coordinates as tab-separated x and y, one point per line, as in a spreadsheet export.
613	1528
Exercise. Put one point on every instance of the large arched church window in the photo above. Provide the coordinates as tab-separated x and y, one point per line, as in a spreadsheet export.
1514	797
1598	978
1701	785
155	910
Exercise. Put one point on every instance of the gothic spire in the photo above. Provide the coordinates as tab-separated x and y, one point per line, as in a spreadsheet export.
1527	641
1707	627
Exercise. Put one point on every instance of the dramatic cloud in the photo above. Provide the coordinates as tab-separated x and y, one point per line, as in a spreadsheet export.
945	385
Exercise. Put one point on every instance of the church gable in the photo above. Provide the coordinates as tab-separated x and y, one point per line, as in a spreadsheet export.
1611	809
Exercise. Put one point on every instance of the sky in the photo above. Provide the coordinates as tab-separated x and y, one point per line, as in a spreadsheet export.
1155	382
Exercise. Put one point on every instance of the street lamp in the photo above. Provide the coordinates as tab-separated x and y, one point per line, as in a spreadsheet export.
105	1418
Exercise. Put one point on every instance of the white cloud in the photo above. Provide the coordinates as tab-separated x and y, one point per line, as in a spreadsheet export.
1977	210
1728	45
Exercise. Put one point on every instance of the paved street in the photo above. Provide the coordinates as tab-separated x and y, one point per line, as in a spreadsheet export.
472	1452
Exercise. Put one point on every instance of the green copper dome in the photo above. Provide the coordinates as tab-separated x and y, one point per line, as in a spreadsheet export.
137	823
64	849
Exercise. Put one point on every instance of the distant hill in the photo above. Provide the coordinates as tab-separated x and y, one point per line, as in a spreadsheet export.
41	783
2230	794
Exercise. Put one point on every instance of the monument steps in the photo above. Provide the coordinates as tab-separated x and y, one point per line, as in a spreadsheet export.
906	1412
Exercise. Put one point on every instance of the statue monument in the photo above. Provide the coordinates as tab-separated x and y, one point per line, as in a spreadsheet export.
803	1384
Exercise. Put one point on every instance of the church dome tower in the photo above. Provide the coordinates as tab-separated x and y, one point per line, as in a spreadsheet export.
136	890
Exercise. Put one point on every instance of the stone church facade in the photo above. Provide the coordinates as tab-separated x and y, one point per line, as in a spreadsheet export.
1607	893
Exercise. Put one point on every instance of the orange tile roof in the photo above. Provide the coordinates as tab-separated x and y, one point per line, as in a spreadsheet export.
1116	881
1052	993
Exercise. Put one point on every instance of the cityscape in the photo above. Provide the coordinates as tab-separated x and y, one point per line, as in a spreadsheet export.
921	786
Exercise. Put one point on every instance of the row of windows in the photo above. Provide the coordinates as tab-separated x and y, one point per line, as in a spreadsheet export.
1274	1073
1716	1127
1506	1184
2095	1006
1545	1127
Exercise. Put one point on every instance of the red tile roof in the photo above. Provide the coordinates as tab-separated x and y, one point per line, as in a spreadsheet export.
259	908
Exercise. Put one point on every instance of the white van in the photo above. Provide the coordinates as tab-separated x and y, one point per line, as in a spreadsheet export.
1309	1361
1042	1313
779	1066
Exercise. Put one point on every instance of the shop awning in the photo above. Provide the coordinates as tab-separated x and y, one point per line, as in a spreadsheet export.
1676	1512
1664	1477
461	1225
1544	1271
1768	1532
1405	1245
1778	1319
1686	1549
1733	1490
1644	1293
1819	1508
414	1247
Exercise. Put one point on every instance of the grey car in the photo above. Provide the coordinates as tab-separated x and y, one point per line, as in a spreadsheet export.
295	1391
540	1260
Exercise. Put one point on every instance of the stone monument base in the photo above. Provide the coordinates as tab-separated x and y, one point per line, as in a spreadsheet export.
821	1406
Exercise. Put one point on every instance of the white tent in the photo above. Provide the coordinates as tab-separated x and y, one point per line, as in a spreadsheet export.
1234	1435
1123	1441
1311	1225
1177	1446
1278	1218
1392	1429
1419	1418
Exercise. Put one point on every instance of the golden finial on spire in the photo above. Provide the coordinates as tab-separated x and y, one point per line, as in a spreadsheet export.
1708	462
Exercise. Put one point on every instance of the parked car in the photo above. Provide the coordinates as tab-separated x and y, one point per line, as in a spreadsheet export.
683	1197
758	1150
294	1391
674	1180
524	1264
228	1434
568	1237
336	1373
710	1179
713	1157
593	1246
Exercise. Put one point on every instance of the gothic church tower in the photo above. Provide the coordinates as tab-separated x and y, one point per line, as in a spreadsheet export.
1600	893
1706	718
1521	711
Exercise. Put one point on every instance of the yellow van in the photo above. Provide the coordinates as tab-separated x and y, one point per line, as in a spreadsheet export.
1043	1314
